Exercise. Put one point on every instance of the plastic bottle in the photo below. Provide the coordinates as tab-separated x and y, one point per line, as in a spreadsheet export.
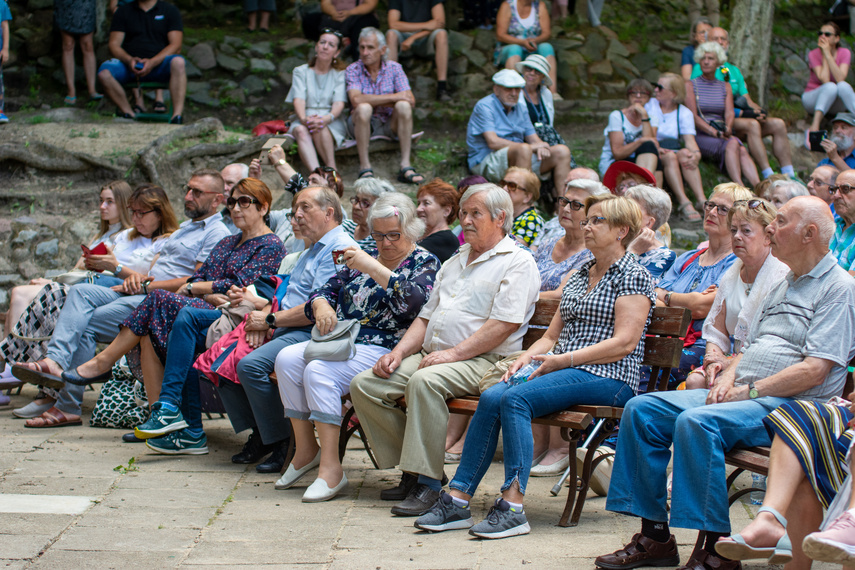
521	375
758	482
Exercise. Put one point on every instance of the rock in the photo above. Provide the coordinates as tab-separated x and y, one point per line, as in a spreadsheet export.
29	270
24	237
204	98
20	254
561	44
571	58
686	239
623	63
230	63
273	84
474	86
253	84
192	71
233	41
796	64
78	230
33	5
458	65
616	48
644	61
478	59
7	279
257	65
202	55
459	43
289	63
564	70
601	68
675	45
198	86
46	61
48	248
792	83
610	104
485	40
261	49
594	48
424	88
235	95
294	43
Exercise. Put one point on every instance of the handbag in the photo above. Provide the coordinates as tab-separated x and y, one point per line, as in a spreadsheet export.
121	402
337	345
71	277
548	134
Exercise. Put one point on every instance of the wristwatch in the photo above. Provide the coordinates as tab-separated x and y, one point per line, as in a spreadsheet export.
118	269
189	289
281	162
270	319
752	391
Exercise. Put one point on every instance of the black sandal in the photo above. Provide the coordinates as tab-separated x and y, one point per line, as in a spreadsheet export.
366	173
409	178
159	107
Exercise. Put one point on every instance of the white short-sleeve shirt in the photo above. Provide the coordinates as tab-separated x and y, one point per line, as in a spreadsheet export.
668	123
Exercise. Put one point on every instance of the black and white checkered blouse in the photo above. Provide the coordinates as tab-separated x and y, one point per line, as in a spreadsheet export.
589	318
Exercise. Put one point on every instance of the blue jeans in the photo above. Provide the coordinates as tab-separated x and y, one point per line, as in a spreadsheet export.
701	435
511	409
122	73
180	380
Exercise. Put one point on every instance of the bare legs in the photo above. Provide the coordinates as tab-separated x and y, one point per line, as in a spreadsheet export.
307	448
152	370
674	177
737	162
458	425
306	147
88	50
68	62
105	359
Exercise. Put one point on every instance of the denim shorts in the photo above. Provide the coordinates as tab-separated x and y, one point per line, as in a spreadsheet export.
123	74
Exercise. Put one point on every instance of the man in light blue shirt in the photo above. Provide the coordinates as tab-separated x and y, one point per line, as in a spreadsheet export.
500	135
842	245
255	402
93	313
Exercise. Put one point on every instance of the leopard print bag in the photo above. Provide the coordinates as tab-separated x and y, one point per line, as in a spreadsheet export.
122	402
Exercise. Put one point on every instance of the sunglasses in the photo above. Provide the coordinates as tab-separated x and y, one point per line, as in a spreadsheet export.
826	34
659	86
638	94
336	33
511	186
574	204
710	206
752	204
244	202
391	236
197	192
844	189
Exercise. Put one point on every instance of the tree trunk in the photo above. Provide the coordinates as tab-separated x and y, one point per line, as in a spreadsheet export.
750	42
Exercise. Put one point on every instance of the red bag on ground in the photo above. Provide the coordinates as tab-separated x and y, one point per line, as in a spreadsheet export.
276	127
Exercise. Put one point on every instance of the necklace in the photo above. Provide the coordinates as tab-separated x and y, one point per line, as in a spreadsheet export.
321	82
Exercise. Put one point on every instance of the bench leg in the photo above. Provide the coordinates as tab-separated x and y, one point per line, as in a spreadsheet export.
731	498
609	427
347	431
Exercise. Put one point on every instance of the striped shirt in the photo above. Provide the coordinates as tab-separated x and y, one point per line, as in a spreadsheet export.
842	244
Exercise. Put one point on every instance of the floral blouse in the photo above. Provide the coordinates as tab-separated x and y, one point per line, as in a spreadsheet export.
657	261
232	264
527	225
385	314
552	273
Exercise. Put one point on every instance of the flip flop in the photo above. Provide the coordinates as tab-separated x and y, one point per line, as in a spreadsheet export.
137	109
70	101
411	177
52	418
37	373
366	173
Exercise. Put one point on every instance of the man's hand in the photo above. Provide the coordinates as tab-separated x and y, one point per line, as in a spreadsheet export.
146	68
830	148
387	364
257	321
719	391
407	44
256	338
275	154
439	357
4	55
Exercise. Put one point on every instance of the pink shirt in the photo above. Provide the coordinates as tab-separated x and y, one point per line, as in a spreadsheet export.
815	60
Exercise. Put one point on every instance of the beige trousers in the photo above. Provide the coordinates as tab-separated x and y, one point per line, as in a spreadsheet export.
414	441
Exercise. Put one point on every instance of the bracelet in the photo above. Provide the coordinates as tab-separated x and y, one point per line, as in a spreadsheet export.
571	360
647	120
667	299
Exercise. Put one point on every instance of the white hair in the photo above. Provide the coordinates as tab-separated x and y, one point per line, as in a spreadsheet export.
496	200
244	169
381	39
397	205
654	201
793	187
593	188
372	186
713	48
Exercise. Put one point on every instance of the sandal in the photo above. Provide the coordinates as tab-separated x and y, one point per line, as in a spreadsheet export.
687	212
366	173
37	373
137	109
411	177
70	101
735	547
53	418
159	107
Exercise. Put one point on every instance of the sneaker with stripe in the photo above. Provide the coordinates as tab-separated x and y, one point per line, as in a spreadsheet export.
445	514
161	422
179	443
502	521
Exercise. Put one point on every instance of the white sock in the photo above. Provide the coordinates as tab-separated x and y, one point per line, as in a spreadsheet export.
462	503
516	507
788	170
767	172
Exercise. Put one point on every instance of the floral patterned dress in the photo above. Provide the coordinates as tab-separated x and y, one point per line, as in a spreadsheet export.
385	314
552	273
228	264
527	225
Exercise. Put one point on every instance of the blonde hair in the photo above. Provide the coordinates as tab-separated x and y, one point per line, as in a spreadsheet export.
733	191
618	211
532	182
763	215
675	84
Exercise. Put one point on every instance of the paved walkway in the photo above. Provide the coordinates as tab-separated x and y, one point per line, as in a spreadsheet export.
66	502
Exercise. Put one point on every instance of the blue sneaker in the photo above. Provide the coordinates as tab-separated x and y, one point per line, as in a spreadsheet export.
179	443
3	118
160	423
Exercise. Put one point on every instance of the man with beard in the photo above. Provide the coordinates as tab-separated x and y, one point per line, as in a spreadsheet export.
842	245
840	145
93	313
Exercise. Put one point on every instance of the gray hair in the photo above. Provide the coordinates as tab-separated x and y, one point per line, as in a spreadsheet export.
591	187
793	187
653	200
372	186
584	172
693	30
397	205
713	48
381	38
326	198
244	169
496	201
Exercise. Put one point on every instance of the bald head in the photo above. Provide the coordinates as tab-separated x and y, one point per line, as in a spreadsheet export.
232	174
812	211
800	233
580	173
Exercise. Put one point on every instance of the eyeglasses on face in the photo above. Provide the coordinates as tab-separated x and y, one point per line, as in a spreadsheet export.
197	192
659	86
592	221
244	202
139	213
574	204
511	186
817	181
638	94
844	189
361	201
752	204
391	236
826	34
709	206
328	170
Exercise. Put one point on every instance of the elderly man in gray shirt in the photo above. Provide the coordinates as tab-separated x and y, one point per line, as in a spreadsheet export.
93	313
800	345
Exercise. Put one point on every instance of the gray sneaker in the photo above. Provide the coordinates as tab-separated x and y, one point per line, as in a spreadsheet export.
501	522
445	515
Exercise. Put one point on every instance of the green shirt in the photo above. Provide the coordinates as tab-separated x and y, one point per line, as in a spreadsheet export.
737	82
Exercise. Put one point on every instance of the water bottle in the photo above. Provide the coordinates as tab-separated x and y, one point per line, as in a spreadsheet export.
758	482
521	375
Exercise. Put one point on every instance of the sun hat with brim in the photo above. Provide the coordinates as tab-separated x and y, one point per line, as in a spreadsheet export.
848	118
538	63
620	166
509	79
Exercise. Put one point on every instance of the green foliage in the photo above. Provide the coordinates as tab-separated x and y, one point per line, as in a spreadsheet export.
131	466
94	134
38	119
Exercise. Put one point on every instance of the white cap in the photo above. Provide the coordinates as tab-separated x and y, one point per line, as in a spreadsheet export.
509	78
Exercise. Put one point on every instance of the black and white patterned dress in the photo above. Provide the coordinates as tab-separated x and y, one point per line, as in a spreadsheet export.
75	16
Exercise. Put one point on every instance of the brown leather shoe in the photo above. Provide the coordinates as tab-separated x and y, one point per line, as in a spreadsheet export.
703	560
641	551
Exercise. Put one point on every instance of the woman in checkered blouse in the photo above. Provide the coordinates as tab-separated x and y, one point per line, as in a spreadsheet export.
597	337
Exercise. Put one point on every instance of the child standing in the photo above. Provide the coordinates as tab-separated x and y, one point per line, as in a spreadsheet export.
5	17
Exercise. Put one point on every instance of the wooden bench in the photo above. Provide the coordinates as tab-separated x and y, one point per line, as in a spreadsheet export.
662	349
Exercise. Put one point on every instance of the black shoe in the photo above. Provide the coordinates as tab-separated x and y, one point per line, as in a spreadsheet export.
131	438
276	461
176	120
253	450
402	490
417	503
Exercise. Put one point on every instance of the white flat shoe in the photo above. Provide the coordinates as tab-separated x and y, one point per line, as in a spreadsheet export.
32	410
292	475
556	468
319	491
536	460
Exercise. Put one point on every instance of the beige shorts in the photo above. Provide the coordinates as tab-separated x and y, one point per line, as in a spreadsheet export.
494	166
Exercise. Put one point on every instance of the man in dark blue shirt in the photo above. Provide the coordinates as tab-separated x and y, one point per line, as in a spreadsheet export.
840	146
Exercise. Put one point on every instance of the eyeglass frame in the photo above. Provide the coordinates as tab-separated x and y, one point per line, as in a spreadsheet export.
709	206
510	186
597	220
388	236
140	213
818	181
752	204
362	202
197	193
564	202
833	188
336	33
232	202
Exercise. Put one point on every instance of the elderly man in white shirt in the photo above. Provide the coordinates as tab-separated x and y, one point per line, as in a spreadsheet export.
477	314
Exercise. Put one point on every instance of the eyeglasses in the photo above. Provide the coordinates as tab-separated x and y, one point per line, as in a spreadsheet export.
197	192
659	86
826	34
637	94
844	189
511	186
328	170
336	33
710	206
817	181
361	201
139	213
752	204
391	236
574	204
592	221
244	202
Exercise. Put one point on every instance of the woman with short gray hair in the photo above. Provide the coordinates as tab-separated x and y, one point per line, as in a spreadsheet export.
383	289
782	191
655	205
367	191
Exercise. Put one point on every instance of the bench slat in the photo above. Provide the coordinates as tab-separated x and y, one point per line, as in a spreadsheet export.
669	321
662	352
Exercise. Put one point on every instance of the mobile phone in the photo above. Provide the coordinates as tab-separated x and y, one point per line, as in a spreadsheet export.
815	139
271	142
139	65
